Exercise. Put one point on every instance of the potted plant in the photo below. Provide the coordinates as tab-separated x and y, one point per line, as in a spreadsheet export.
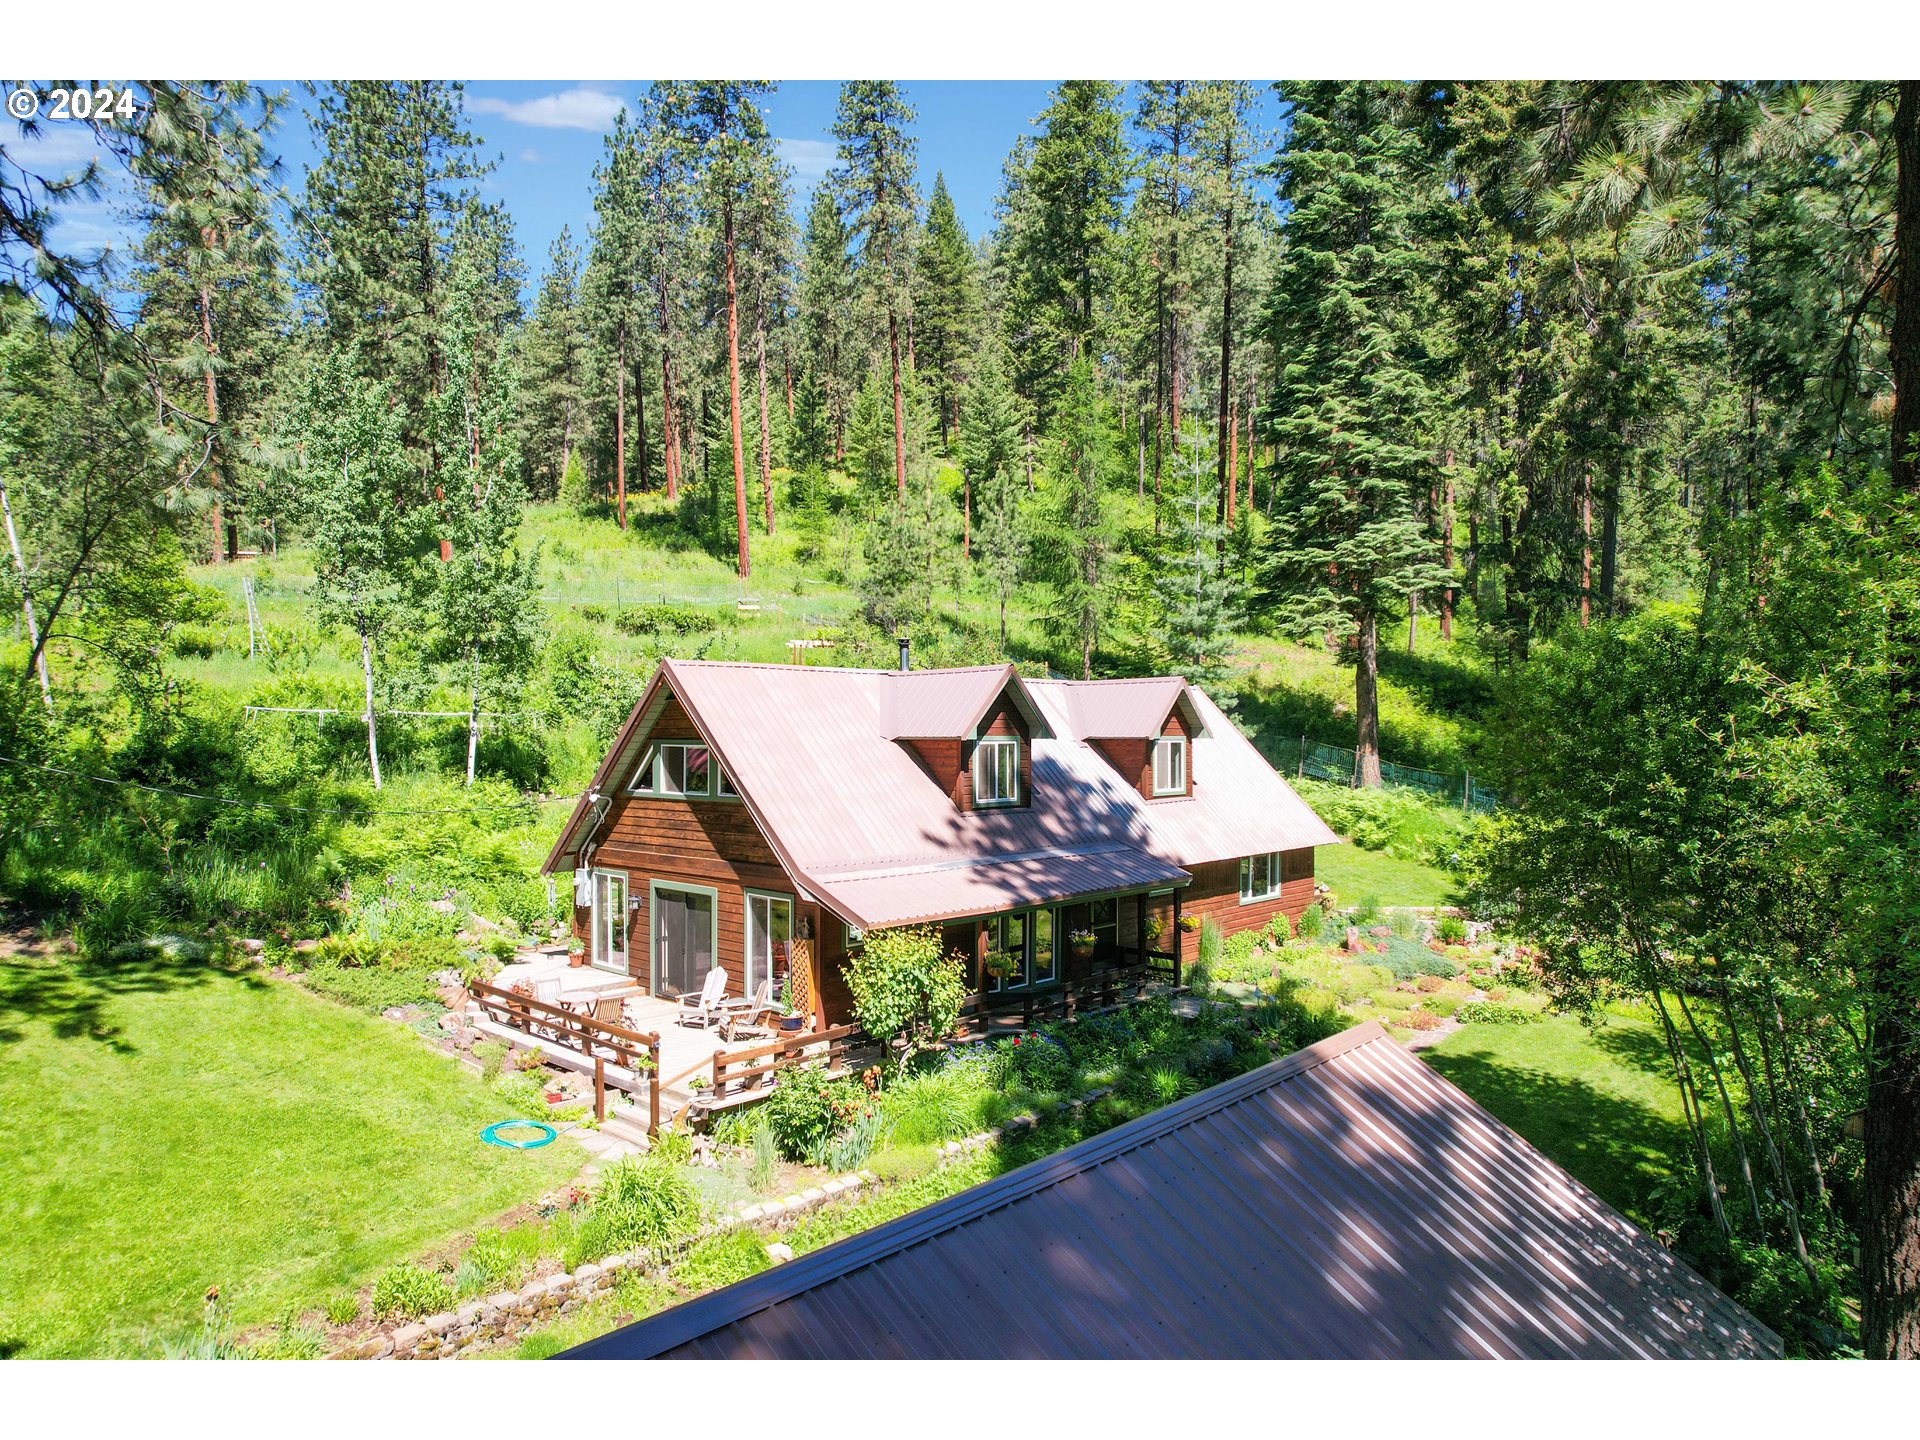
1080	944
576	954
1189	924
1156	927
790	1019
999	965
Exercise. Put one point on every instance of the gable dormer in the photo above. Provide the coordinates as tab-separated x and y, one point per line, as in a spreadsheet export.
1157	758
972	733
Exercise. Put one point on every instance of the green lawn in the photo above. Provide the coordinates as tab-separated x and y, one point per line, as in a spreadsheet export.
1600	1102
1355	874
170	1126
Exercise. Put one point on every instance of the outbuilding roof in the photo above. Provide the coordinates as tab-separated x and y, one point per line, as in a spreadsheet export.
1346	1202
816	755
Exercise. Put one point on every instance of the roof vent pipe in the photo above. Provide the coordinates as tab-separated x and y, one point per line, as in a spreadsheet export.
906	654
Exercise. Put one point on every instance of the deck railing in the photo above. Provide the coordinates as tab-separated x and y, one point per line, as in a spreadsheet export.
597	1041
1102	990
739	1073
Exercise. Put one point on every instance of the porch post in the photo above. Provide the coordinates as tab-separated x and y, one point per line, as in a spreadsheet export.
979	956
1140	925
1178	935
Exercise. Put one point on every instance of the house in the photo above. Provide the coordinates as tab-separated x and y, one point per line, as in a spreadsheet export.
763	817
1346	1202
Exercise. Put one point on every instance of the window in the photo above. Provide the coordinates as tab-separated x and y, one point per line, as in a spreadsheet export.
1260	877
723	785
1170	765
1007	935
769	937
996	772
677	768
1104	921
1045	955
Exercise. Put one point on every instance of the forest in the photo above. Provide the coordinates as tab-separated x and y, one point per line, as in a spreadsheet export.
1586	412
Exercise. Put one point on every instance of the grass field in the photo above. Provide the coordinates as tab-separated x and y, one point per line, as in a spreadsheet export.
1356	874
172	1126
1600	1102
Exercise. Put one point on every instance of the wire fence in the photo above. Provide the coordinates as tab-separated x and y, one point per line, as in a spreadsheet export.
1310	760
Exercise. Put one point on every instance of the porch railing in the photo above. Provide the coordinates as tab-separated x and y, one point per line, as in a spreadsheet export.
1102	990
598	1042
738	1073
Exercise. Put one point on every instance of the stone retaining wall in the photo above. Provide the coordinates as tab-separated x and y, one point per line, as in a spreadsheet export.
510	1312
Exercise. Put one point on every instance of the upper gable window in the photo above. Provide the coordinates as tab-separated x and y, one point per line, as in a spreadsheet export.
679	769
996	772
1170	765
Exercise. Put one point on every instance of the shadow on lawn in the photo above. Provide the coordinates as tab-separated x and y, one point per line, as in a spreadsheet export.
1617	1147
70	995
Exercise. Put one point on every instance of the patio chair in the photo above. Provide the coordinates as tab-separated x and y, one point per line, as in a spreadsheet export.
735	1015
703	1010
547	992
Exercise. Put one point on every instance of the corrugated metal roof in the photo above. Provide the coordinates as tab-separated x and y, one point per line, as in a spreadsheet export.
924	704
809	748
979	885
1346	1202
1117	709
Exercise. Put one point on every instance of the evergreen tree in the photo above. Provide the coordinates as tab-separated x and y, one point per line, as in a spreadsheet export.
1167	116
1076	548
396	163
826	343
1198	607
874	185
554	359
1352	409
617	294
991	447
946	306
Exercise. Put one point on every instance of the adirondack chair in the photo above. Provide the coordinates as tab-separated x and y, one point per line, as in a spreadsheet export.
737	1014
703	1010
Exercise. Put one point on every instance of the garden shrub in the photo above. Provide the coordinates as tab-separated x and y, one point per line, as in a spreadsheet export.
721	1260
1408	959
1313	922
641	1204
806	1109
904	988
1035	1062
1367	912
1404	823
1451	930
1420	1020
1495	1012
406	1292
372	988
672	1147
342	1309
667	620
939	1105
849	1148
1207	956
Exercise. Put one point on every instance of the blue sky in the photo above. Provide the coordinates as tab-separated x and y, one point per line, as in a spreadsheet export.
547	136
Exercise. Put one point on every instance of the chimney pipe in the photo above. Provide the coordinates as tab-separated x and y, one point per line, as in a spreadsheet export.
906	654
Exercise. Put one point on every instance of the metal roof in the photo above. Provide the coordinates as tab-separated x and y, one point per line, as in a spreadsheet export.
1344	1202
810	750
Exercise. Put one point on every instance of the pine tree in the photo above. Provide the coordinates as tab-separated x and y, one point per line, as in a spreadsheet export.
554	360
826	344
1229	143
1197	597
1063	255
1078	540
396	163
212	297
874	184
1352	410
946	305
991	443
1167	115
617	293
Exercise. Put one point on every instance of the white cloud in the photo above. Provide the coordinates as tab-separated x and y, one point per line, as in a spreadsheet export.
530	156
576	109
810	159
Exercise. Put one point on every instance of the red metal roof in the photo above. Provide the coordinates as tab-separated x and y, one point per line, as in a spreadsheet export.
1346	1202
859	822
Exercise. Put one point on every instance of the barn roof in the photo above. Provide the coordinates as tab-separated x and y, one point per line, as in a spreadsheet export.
815	753
1346	1202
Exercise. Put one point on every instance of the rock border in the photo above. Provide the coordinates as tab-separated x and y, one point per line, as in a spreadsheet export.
441	1336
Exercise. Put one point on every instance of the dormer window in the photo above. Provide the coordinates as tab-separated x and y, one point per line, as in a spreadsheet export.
996	772
1169	765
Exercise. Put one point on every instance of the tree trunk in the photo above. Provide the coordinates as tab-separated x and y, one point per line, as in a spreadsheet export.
733	400
619	436
966	516
26	602
373	738
1446	553
1159	387
473	718
1586	546
1366	703
222	545
1890	1248
899	406
766	435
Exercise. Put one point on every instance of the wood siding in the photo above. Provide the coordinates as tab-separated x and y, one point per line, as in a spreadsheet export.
701	842
1215	894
